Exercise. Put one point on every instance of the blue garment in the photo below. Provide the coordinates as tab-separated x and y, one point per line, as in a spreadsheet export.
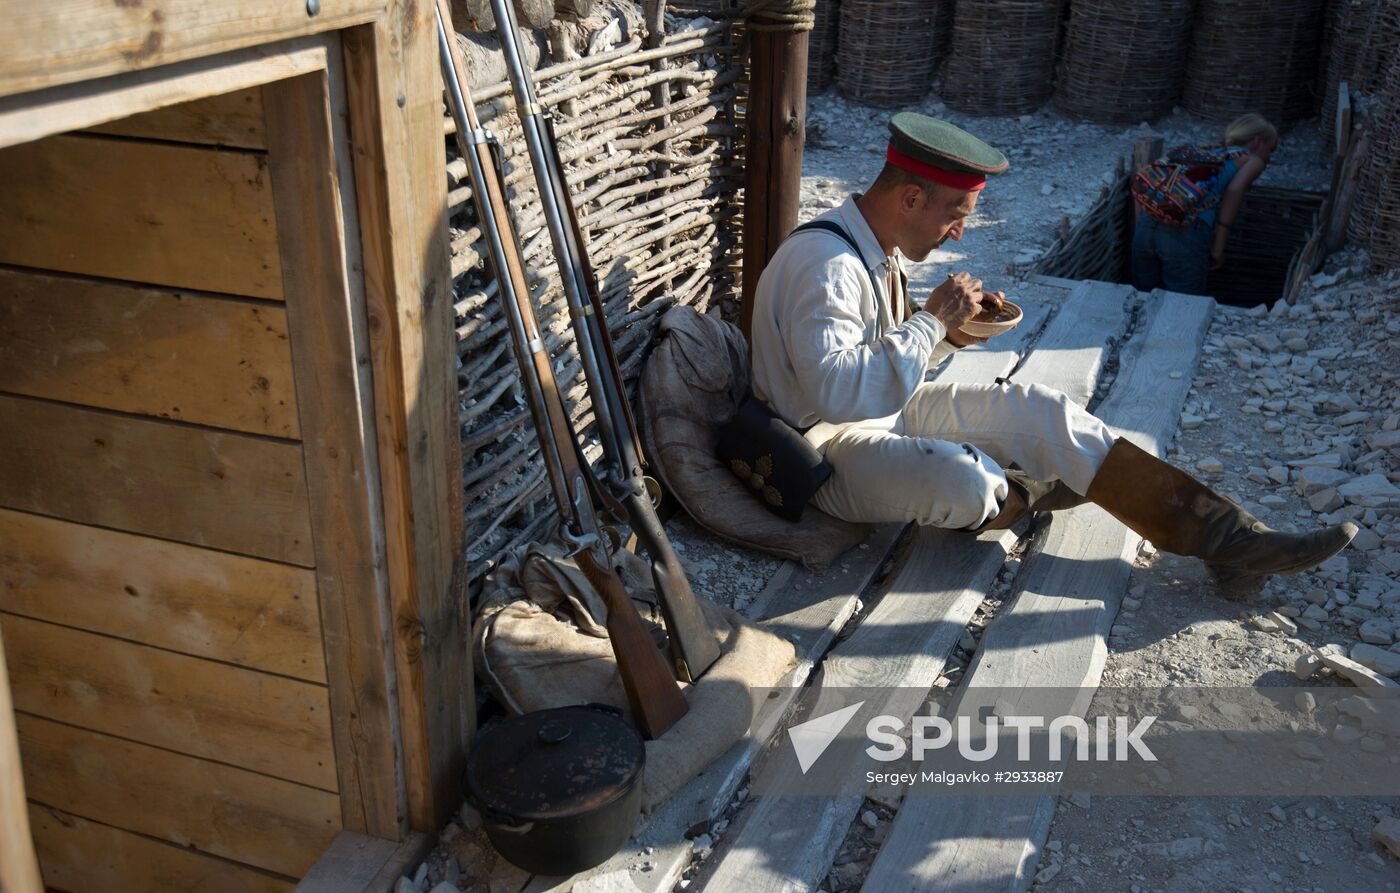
1217	190
1175	258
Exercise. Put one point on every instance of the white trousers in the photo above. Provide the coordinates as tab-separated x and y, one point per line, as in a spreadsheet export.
939	461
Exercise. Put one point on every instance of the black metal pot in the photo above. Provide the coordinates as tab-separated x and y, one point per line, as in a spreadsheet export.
559	790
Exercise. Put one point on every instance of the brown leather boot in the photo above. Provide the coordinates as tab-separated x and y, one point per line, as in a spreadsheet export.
1178	513
1025	495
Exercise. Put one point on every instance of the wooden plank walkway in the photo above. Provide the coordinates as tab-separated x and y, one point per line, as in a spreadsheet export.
1054	635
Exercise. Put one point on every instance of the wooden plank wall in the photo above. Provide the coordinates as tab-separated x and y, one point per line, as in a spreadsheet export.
158	576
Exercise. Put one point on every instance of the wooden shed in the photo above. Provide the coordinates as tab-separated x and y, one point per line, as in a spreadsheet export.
230	481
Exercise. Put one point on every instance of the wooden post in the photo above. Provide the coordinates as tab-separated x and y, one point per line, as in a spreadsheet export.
654	13
773	167
1145	151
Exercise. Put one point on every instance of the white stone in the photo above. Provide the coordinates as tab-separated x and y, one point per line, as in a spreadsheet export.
1357	673
1366	540
1273	501
1306	750
1047	189
1285	624
1190	422
1385	662
1313	478
1210	465
1376	632
1306	666
1346	734
1325	500
1387	834
1278	474
869	819
1369	490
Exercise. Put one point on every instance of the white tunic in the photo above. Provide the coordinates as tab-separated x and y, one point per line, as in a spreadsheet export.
828	343
832	351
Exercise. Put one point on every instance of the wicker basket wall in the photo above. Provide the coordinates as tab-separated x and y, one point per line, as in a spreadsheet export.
656	195
1123	60
821	46
1362	39
1375	218
888	50
1254	56
1001	55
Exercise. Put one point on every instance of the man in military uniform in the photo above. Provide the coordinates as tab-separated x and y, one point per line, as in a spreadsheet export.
840	352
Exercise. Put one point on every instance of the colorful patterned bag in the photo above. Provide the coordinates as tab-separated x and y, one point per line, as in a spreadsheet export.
1176	189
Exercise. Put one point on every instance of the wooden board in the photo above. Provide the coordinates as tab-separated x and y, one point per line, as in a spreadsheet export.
1070	353
355	863
176	355
273	824
342	467
790	842
80	106
73	40
81	855
809	610
146	212
1053	636
394	104
19	871
230	119
268	724
229	491
243	611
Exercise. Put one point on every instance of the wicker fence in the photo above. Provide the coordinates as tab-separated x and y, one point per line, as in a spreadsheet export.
656	192
1123	60
1001	55
1097	247
888	50
1254	56
1375	219
821	46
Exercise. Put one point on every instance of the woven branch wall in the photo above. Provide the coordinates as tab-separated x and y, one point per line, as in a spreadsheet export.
1097	247
656	193
1362	41
1001	55
887	51
821	46
1123	60
1375	218
1254	56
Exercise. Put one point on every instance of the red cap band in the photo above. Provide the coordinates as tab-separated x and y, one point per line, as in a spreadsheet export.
968	182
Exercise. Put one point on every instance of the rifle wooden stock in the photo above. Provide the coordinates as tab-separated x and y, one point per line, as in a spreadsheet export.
655	700
652	694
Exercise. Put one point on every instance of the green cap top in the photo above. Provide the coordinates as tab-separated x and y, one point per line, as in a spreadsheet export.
927	146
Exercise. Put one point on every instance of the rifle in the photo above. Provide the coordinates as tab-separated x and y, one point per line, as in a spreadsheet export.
652	693
622	484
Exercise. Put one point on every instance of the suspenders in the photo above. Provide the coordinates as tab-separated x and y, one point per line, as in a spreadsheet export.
836	229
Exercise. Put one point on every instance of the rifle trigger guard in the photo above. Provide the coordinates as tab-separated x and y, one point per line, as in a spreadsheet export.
653	490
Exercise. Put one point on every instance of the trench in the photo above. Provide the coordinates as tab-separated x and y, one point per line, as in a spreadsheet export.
1265	244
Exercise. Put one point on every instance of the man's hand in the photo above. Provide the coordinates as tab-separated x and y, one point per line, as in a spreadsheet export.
948	299
956	301
1217	258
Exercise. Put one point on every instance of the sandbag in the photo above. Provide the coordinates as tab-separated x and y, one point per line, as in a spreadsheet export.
693	382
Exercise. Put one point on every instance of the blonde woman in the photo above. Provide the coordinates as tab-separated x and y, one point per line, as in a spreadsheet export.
1178	258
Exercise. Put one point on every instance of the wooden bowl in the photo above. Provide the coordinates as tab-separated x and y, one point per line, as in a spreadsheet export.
990	322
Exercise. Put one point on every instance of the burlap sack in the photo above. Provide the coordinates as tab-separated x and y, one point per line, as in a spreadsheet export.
693	382
541	641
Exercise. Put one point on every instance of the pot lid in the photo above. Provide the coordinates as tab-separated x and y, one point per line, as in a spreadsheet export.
554	763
